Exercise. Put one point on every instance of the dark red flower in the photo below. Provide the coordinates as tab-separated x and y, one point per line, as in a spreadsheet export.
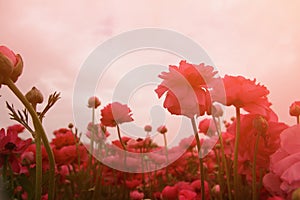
186	89
12	146
115	113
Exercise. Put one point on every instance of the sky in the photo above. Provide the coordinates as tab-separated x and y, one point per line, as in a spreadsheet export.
256	39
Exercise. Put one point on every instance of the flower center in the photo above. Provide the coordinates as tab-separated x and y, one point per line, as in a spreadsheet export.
10	146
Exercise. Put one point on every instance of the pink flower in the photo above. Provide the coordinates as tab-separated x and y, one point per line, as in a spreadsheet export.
11	65
136	195
186	89
115	113
284	175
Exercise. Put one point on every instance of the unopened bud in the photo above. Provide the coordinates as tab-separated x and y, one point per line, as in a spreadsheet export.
295	108
217	110
296	194
162	129
70	126
94	102
148	128
34	96
260	124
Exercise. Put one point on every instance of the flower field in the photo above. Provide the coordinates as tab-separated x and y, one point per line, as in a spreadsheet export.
251	156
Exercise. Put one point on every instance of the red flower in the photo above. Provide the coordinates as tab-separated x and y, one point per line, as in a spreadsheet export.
269	141
245	93
170	192
186	195
295	109
70	154
186	89
136	195
11	147
11	65
207	126
64	137
115	113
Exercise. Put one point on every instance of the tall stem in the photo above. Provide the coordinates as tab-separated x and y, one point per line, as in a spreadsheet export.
200	157
223	158
119	135
39	130
92	138
167	156
236	149
298	119
254	188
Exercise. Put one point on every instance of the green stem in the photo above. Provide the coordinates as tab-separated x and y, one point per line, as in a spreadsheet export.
236	149
119	135
254	188
167	156
39	130
224	159
38	169
4	168
92	138
200	157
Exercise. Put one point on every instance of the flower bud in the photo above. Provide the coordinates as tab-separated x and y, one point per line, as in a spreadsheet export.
296	194
162	129
94	102
295	109
34	96
217	110
260	124
148	128
70	125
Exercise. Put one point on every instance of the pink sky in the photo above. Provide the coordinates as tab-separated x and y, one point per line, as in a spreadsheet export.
256	39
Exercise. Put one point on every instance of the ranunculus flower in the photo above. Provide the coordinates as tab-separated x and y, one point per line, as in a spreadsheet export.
170	193
186	89
11	65
136	195
115	113
64	138
207	126
247	94
295	109
284	176
12	146
186	195
269	142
